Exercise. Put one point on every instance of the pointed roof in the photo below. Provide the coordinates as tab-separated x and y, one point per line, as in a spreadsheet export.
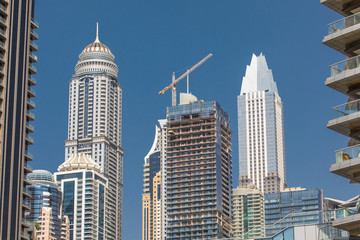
96	46
258	76
78	162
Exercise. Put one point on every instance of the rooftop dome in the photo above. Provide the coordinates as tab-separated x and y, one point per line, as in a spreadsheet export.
79	162
40	175
96	58
96	46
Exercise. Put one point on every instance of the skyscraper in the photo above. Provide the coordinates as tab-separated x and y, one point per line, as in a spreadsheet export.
198	170
153	209
94	125
344	77
46	194
248	213
85	198
17	45
260	129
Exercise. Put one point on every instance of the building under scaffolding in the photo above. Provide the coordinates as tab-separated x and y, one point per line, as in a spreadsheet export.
199	170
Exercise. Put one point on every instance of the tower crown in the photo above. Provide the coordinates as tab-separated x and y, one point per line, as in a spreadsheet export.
258	76
96	58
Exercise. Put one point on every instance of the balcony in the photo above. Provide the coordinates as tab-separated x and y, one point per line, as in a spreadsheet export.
348	163
32	92
344	35
34	23
33	58
29	139
32	68
344	8
345	77
34	34
3	21
346	119
29	157
30	115
31	104
33	46
32	81
30	128
350	223
3	9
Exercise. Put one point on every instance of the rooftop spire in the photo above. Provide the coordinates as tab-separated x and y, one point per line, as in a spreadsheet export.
97	32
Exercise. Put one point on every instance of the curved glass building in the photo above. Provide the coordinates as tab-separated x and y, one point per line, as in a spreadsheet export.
44	193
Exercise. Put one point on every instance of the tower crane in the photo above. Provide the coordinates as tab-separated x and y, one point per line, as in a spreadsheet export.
186	74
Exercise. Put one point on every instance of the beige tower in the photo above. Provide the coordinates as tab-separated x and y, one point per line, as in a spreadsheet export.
248	213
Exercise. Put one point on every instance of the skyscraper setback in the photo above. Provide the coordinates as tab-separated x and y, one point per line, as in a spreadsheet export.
94	126
260	126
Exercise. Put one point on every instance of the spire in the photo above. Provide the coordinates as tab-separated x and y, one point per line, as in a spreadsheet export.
258	76
97	32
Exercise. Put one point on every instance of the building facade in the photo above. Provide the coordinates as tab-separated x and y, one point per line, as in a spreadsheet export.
344	77
291	207
260	129
17	36
198	171
85	198
153	209
45	223
94	125
45	196
248	213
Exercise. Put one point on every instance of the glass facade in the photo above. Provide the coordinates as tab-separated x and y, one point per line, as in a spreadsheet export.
44	194
84	203
293	207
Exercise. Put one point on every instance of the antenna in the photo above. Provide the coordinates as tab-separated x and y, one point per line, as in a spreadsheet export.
97	32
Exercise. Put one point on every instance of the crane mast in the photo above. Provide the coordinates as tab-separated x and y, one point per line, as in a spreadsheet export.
186	74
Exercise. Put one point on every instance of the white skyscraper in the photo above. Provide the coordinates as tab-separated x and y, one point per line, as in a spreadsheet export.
95	122
260	128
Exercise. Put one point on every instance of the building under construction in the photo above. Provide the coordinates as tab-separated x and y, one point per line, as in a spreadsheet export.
199	170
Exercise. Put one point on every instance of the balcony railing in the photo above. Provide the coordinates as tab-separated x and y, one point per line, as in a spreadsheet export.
35	33
34	21
34	44
30	126
346	109
344	23
347	64
33	67
3	20
30	138
33	80
32	91
31	114
30	155
32	103
347	154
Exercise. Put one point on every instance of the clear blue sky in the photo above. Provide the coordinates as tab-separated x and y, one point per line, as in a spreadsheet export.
151	39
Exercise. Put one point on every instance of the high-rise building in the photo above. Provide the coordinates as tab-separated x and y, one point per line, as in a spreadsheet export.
65	228
248	213
153	225
260	129
344	77
291	207
45	225
45	193
17	35
198	171
94	125
85	198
